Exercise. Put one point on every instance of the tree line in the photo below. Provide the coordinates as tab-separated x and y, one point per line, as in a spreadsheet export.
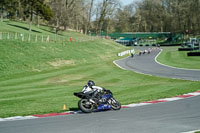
179	16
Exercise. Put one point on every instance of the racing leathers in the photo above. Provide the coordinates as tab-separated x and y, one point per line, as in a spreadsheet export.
94	90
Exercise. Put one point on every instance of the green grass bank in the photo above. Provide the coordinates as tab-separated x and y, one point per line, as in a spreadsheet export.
38	78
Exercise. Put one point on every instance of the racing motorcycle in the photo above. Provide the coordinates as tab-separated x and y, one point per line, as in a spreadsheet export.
104	101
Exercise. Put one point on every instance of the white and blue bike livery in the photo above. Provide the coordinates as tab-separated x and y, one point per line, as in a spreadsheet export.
102	101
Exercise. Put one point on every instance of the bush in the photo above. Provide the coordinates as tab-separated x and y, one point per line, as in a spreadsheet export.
193	54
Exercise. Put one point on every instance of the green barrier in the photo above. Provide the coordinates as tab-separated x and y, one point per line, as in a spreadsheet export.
149	35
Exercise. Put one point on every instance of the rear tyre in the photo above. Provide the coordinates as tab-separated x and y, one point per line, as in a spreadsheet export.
85	106
115	104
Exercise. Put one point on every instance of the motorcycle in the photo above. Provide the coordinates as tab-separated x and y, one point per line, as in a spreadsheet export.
104	101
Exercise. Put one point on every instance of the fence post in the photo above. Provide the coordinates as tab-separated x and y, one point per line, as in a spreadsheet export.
47	39
29	37
22	35
63	40
15	35
8	37
36	38
0	35
55	38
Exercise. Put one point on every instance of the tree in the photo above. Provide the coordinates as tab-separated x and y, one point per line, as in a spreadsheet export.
123	20
43	10
64	11
2	7
144	16
8	7
36	7
106	9
89	15
167	15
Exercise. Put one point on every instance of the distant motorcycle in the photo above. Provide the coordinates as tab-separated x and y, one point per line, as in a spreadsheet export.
140	53
104	101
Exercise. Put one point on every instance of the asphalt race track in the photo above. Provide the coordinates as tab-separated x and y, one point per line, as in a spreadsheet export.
168	117
146	64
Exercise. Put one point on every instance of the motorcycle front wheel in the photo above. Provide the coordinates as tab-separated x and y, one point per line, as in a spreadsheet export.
85	106
115	104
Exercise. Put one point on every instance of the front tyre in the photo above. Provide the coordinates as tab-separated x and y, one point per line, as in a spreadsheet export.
115	104
85	106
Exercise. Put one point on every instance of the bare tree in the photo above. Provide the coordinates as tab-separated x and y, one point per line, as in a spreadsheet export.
106	9
89	12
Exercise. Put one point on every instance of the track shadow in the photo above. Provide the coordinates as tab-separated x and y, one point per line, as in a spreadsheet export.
76	110
25	28
73	109
51	31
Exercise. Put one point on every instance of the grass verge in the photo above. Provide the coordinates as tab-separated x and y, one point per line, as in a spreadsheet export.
38	78
172	57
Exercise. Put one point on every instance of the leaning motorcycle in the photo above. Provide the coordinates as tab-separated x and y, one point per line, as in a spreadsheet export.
105	101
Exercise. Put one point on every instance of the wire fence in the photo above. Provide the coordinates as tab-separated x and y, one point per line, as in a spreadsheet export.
42	38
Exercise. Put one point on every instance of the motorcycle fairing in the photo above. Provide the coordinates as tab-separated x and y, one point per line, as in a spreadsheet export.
104	107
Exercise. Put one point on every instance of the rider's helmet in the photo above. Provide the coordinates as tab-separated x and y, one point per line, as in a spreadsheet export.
91	83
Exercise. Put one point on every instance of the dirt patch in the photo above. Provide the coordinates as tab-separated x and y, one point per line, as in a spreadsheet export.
59	63
105	56
64	79
35	70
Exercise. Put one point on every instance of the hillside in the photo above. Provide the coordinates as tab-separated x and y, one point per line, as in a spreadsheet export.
39	77
18	57
22	56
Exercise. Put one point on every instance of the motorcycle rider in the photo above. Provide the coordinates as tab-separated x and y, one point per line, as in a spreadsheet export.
93	90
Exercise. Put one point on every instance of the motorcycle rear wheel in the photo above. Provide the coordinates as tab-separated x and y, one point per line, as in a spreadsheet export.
85	106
